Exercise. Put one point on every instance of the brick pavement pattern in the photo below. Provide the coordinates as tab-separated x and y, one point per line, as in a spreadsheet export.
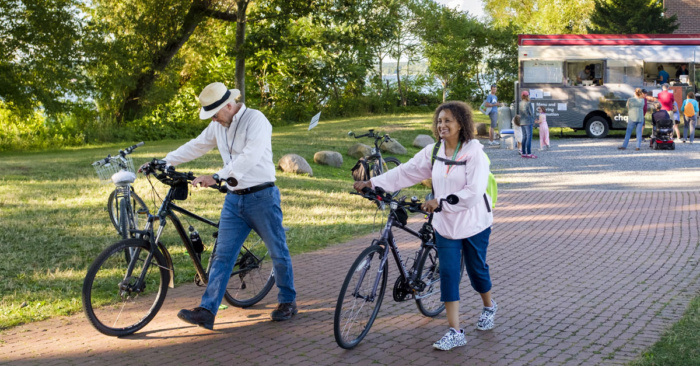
581	278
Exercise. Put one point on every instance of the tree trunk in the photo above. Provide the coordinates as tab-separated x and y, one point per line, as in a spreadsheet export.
132	104
195	15
398	80
444	91
242	6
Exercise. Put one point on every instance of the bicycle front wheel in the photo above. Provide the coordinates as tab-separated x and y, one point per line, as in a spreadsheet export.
252	278
114	208
115	299
428	300
357	308
390	162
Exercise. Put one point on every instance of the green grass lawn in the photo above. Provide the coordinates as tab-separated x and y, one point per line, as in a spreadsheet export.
53	219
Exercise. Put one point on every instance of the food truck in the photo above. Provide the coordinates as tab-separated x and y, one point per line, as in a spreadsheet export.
553	69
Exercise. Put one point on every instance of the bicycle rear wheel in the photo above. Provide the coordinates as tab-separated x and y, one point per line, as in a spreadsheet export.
115	300
113	207
356	309
428	300
252	278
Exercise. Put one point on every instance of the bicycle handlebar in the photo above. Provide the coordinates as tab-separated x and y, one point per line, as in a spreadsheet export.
122	153
380	195
169	176
371	134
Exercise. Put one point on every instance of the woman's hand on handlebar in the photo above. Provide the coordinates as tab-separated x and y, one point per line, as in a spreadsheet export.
204	181
429	206
360	185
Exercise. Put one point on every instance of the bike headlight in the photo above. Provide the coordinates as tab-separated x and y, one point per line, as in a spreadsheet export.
394	205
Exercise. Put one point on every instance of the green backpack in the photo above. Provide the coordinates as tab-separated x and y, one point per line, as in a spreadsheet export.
491	187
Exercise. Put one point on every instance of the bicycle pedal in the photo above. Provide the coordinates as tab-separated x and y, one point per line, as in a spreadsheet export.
198	281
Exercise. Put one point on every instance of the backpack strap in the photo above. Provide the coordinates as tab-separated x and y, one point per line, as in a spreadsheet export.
436	149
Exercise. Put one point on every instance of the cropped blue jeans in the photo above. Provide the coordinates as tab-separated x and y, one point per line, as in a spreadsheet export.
259	211
473	249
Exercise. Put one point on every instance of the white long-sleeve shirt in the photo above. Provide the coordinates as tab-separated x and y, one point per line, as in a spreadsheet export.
245	147
470	215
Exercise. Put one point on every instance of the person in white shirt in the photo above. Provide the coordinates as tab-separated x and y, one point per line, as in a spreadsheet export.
243	137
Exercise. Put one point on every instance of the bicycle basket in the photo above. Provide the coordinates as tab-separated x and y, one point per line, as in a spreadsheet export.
106	171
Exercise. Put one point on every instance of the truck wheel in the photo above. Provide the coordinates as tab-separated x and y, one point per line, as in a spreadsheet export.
597	127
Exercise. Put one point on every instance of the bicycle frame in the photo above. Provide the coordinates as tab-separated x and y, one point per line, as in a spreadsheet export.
167	211
388	238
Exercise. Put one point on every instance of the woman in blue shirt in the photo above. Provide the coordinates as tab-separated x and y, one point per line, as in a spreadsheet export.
690	121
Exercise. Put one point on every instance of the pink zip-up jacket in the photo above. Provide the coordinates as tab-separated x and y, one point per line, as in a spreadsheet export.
470	215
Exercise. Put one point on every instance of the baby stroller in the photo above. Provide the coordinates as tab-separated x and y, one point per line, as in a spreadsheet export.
662	136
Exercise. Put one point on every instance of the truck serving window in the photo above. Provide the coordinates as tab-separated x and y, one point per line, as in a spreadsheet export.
543	72
625	72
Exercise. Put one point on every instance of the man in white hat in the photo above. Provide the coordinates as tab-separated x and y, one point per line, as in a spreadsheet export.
244	139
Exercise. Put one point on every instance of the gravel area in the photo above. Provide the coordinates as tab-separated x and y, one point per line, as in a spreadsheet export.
597	164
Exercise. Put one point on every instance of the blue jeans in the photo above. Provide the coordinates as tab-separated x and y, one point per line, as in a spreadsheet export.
474	251
639	126
259	211
527	139
689	122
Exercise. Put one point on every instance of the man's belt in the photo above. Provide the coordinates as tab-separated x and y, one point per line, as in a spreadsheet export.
253	189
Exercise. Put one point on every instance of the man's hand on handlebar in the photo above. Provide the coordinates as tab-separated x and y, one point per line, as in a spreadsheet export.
145	167
360	185
204	181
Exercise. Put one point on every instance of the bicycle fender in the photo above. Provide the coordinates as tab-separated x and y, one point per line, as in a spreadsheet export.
169	261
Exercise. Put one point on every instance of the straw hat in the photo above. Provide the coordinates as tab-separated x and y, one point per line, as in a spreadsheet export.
214	97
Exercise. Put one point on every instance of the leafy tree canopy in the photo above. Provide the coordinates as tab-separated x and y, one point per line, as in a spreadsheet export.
631	17
40	54
541	16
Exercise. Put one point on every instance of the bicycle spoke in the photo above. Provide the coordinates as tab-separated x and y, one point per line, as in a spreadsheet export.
357	306
116	300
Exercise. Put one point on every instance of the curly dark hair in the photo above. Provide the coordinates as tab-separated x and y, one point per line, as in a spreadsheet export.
463	114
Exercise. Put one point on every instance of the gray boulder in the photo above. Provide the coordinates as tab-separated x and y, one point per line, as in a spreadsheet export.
331	158
359	150
482	129
293	163
422	141
394	147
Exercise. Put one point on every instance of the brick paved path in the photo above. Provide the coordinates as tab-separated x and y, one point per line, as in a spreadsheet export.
580	277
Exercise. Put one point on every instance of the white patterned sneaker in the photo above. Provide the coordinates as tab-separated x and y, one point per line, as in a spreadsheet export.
487	317
450	340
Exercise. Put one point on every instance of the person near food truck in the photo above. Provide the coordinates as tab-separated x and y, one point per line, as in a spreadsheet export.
676	117
243	137
462	230
492	102
663	75
635	119
666	99
544	128
690	116
657	116
682	70
584	74
527	119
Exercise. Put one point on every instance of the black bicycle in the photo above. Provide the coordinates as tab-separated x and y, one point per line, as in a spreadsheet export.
363	289
120	297
377	163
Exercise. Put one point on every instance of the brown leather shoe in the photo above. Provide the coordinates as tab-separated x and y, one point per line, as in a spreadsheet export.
284	311
198	316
